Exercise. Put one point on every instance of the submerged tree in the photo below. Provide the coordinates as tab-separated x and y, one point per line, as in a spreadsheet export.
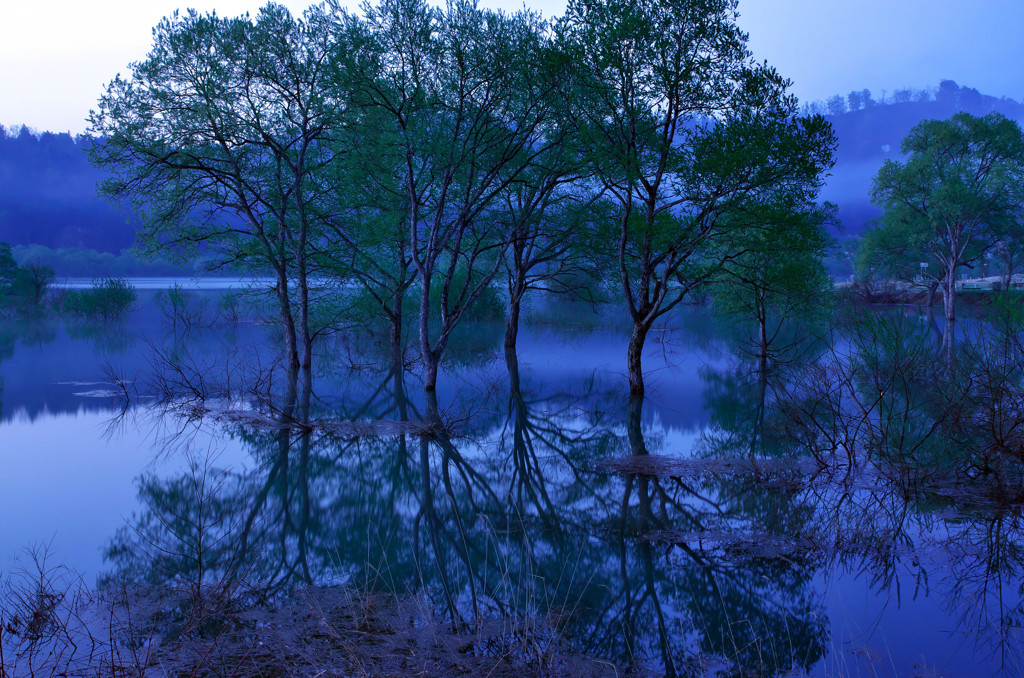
682	124
463	95
217	142
955	197
776	275
370	247
551	241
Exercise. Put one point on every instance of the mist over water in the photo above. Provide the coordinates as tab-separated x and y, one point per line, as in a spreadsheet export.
731	518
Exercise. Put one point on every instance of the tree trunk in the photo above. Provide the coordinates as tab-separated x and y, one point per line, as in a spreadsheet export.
305	340
426	354
633	355
762	349
397	346
634	425
512	363
429	371
287	321
757	437
512	326
949	306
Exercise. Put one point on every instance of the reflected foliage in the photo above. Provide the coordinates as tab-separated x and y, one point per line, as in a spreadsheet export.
874	465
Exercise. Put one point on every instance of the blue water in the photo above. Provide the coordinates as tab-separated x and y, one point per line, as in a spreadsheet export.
524	508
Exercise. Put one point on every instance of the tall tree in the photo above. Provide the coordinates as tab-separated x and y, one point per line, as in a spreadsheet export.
549	216
682	124
958	193
368	245
466	93
218	139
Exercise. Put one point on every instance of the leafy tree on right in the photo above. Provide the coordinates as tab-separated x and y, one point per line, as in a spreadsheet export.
957	194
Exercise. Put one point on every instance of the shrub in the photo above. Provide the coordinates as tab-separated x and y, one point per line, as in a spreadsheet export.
31	283
109	298
181	309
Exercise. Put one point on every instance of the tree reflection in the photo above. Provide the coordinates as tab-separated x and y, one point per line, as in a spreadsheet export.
711	562
752	612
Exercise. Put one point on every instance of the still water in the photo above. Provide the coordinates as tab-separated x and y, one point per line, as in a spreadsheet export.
723	525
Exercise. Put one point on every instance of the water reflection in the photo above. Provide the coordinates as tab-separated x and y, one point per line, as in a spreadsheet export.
514	521
855	473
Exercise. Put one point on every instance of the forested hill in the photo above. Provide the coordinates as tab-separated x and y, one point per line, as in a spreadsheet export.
870	132
48	189
48	194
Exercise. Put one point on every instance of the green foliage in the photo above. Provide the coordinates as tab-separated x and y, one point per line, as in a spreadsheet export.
8	266
218	140
895	251
776	274
681	126
418	142
108	299
958	193
29	287
363	308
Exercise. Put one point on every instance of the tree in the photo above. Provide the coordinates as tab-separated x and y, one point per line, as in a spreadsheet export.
902	96
549	218
464	95
1008	252
896	252
681	125
856	99
370	248
218	141
31	282
778	275
956	195
836	105
8	266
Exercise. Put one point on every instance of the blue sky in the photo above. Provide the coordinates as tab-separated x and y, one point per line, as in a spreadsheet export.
56	55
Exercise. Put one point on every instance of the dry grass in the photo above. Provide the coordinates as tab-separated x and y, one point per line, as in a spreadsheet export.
312	632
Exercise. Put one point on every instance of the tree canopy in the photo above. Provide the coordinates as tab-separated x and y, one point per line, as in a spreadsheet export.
431	145
218	141
956	195
682	126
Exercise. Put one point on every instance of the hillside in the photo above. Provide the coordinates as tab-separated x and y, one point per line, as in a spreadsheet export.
48	197
872	134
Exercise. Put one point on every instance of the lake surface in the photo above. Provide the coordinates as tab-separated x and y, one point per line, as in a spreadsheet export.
724	525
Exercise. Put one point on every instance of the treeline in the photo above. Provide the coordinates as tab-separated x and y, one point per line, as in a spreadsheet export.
873	134
48	194
25	291
869	128
948	94
429	154
48	197
79	262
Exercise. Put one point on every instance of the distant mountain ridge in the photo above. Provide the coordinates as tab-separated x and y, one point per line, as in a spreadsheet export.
872	134
48	194
48	188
